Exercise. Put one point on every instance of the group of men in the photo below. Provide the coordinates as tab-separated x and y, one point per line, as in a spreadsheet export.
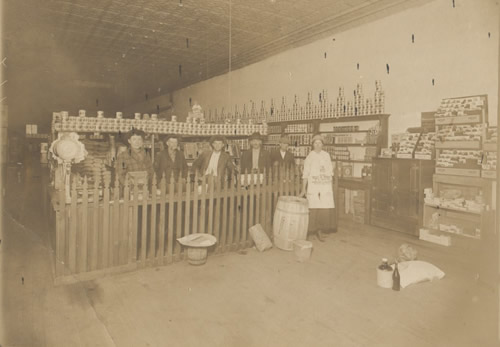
215	161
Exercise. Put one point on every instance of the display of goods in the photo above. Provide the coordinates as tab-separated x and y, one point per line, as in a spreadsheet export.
489	161
345	128
338	153
274	129
425	145
300	151
464	132
491	135
459	106
299	128
464	159
408	143
155	126
302	139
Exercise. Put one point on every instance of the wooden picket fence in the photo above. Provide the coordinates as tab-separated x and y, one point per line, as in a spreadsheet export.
108	229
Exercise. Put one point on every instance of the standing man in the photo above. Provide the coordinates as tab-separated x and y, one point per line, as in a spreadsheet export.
216	161
135	158
283	159
171	161
256	159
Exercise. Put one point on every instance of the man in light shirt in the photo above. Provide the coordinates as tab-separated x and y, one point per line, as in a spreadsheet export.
282	158
216	161
256	159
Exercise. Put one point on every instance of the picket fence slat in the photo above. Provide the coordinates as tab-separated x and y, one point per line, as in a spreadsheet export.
104	227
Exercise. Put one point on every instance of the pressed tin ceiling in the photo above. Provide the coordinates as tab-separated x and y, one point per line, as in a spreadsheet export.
173	43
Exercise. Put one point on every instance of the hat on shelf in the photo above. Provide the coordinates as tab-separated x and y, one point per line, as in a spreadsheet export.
217	138
318	137
284	139
255	136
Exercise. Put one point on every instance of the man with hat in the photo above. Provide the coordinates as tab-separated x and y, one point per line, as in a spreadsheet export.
216	161
282	158
171	162
135	158
256	159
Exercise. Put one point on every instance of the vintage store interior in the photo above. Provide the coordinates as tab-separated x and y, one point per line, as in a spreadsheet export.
249	173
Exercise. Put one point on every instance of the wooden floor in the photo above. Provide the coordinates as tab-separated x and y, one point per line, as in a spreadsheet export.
245	299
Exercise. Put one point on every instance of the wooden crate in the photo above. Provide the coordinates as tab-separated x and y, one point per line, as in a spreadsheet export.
458	172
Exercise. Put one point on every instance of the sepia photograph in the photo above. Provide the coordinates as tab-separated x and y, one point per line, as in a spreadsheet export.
249	173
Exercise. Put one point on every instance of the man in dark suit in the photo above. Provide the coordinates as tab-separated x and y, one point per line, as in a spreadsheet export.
256	159
216	161
282	159
171	161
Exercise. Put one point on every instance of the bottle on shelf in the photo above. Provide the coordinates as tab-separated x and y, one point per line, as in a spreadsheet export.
396	278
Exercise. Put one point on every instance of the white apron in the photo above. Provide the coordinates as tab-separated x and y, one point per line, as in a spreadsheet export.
319	192
318	172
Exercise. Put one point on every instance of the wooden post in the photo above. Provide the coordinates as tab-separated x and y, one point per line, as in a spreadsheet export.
152	244
115	231
61	262
163	206
202	219
170	217
94	233
211	188
217	222
224	203
195	203
73	228
135	223
178	248
244	208
83	235
126	228
231	201
144	226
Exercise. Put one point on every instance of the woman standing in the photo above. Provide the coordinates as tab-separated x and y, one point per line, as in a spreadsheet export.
317	187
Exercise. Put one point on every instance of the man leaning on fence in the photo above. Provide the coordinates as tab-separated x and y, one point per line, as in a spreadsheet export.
135	159
216	161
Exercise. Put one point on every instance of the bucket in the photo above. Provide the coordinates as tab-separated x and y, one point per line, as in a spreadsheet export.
197	255
302	250
384	278
291	220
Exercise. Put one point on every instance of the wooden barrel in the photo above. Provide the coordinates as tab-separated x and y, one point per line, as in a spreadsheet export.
290	222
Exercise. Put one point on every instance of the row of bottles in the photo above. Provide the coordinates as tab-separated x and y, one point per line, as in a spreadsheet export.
322	109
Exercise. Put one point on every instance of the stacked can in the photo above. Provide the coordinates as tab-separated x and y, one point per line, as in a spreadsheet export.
358	100
379	106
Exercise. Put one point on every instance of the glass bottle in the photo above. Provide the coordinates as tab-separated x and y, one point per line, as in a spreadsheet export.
396	279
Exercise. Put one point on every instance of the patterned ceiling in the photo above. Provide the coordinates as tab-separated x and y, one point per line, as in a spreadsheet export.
173	43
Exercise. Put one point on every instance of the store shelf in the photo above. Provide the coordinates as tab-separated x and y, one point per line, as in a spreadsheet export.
333	120
489	147
478	213
458	144
345	132
458	172
355	161
351	145
452	233
490	174
474	117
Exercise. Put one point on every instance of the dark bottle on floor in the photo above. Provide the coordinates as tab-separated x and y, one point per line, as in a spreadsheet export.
396	279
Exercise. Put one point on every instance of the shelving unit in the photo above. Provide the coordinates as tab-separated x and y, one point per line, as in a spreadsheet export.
462	203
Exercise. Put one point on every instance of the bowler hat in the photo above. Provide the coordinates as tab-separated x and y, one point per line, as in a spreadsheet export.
217	138
255	136
285	139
